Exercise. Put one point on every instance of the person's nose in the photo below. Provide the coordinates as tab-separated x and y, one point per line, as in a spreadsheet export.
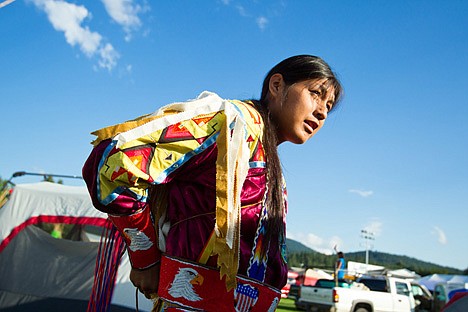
321	111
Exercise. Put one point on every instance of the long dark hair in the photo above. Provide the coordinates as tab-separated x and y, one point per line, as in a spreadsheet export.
293	69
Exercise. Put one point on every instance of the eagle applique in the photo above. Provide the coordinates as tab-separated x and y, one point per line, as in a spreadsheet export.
138	239
182	285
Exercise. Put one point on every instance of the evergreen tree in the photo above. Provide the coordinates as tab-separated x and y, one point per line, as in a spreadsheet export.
307	259
4	192
49	178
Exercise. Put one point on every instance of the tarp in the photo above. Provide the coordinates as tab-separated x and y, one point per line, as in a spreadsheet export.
430	281
42	273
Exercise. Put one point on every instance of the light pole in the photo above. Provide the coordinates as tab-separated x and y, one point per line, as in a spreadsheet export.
368	236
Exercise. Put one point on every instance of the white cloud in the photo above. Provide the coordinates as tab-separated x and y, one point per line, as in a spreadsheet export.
374	227
317	243
108	58
68	18
361	192
241	10
262	22
313	240
125	13
440	235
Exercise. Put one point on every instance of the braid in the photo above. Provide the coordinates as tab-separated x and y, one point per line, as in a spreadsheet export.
275	200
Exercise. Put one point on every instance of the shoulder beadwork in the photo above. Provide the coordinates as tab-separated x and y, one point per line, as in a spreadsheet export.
254	123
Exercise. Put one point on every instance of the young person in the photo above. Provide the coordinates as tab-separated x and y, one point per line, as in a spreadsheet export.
340	266
197	192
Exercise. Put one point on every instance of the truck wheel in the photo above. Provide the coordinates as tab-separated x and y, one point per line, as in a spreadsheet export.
361	309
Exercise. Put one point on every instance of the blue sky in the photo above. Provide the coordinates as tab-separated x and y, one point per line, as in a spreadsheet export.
392	160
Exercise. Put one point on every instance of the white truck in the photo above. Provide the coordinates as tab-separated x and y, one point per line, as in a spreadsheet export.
367	294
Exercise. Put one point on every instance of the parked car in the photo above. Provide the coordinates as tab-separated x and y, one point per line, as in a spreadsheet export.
368	294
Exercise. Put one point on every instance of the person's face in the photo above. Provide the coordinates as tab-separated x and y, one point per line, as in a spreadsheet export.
299	111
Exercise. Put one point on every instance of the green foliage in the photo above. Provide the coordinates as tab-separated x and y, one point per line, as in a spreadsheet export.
398	262
295	246
308	258
285	305
2	182
4	192
49	227
48	178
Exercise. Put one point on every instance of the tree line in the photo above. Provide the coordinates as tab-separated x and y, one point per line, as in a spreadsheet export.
312	259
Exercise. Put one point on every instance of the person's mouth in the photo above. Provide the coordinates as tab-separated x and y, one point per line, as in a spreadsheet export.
311	126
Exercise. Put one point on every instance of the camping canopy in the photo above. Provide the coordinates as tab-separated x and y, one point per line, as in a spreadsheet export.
42	273
430	281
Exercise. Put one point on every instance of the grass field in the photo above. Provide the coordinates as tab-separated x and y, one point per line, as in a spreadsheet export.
286	305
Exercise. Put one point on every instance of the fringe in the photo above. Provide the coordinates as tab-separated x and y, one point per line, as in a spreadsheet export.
111	249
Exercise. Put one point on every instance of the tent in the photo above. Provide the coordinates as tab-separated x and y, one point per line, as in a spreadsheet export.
458	303
41	273
301	276
313	275
403	273
430	281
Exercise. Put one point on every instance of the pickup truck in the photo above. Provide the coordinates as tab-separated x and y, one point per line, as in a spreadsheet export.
367	294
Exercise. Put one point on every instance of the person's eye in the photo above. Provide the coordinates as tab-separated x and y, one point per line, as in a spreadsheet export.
329	106
315	92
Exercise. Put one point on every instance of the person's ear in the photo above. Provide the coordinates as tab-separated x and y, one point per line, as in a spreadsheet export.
276	85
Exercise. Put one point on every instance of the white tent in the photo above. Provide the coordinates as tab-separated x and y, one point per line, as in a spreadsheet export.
42	273
431	280
403	273
356	268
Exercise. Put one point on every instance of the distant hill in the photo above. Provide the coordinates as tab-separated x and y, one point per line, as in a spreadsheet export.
301	255
398	261
295	246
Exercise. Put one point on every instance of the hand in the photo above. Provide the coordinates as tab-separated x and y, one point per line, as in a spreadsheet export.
146	280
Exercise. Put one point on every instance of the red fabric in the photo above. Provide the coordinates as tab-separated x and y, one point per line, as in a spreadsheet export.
53	219
195	286
140	237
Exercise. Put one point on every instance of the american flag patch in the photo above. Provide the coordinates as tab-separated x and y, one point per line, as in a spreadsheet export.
246	297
